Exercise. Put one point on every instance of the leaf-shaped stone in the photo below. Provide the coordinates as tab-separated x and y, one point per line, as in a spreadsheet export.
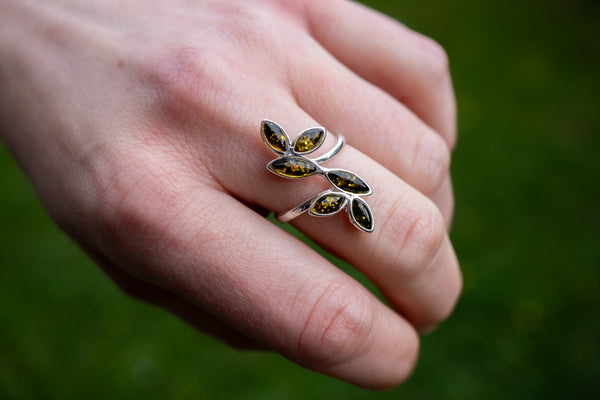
292	167
274	136
327	204
361	215
309	140
348	182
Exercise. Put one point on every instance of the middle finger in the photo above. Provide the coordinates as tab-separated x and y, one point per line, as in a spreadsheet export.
409	256
373	121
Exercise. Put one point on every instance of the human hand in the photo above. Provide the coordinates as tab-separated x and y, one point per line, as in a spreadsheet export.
138	125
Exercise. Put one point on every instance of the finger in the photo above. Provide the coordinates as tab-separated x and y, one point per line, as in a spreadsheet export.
405	254
411	67
186	311
444	199
374	122
409	256
222	257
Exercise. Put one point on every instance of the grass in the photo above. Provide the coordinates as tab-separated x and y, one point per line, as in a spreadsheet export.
527	232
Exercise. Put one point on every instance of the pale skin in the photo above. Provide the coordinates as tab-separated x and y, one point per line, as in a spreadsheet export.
138	125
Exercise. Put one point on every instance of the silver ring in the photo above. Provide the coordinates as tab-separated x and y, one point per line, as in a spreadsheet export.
346	190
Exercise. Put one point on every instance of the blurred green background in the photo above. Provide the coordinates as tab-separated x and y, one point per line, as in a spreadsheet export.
527	232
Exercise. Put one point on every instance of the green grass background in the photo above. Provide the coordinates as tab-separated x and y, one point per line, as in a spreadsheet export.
527	232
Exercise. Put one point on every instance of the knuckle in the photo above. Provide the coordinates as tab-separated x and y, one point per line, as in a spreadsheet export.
119	216
251	26
438	314
454	287
407	360
245	22
418	231
432	158
409	366
134	195
437	62
448	308
336	330
188	80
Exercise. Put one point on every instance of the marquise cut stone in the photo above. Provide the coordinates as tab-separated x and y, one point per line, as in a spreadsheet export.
274	136
362	215
292	167
309	140
348	182
327	204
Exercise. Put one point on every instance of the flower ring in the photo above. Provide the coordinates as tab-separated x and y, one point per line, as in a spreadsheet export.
347	188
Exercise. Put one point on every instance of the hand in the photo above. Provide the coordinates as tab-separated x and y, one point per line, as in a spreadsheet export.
138	125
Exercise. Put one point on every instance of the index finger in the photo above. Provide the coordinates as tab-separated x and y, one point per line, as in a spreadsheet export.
411	67
216	253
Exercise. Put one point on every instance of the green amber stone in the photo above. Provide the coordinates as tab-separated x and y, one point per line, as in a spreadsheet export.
327	204
275	136
361	214
292	167
309	140
348	182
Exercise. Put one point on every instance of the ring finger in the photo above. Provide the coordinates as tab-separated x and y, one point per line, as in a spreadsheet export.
409	255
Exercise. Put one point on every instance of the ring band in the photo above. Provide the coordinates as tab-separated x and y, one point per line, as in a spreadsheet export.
346	190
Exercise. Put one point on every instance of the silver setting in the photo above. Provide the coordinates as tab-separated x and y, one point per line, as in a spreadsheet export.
348	196
331	153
